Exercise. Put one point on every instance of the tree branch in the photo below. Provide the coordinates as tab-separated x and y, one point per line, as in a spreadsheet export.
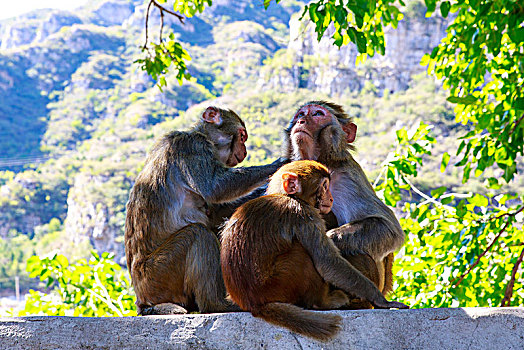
162	10
161	25
428	198
509	289
179	16
488	248
480	256
510	214
147	23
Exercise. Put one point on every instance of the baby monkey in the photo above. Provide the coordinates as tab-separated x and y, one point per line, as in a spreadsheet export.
276	258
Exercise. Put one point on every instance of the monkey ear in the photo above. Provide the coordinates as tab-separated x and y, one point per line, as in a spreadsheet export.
291	183
212	115
351	131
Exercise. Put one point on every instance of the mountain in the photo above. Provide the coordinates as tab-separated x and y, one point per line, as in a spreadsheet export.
77	116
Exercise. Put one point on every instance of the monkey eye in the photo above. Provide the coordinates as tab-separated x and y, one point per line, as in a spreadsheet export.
318	113
300	114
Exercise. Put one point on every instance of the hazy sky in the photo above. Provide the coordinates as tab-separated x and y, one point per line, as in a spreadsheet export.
11	8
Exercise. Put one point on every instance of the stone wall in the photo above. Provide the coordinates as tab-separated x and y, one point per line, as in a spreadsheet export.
462	328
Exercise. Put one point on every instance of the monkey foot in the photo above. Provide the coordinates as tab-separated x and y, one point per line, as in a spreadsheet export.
391	305
163	309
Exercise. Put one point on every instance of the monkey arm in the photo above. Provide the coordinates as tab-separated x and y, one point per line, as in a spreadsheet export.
374	235
217	183
219	212
334	268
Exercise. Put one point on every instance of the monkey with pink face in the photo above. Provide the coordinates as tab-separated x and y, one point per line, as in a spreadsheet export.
363	227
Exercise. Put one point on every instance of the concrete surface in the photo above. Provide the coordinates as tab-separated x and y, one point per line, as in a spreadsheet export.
462	328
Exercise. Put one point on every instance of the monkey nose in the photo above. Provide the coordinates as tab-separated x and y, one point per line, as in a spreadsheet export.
301	121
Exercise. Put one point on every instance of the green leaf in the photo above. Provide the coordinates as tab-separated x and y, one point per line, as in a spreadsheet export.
446	200
493	183
431	5
462	100
425	60
402	136
445	161
62	260
519	103
479	201
436	193
444	8
339	40
510	171
516	34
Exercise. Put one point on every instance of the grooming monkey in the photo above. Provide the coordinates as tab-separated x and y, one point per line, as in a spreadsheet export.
277	258
322	131
172	255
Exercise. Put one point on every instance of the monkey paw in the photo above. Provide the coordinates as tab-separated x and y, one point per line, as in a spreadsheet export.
163	309
390	305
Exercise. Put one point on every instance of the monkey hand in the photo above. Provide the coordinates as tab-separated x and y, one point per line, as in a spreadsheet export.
384	304
355	252
344	238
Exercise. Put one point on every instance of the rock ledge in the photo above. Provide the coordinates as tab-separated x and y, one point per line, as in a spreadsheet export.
462	328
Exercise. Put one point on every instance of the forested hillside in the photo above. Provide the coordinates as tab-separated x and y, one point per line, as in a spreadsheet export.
77	116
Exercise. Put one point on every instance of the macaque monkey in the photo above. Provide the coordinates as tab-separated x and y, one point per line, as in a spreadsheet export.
276	257
322	131
172	255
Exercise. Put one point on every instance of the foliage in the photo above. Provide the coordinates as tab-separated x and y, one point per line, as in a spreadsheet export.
462	250
360	22
13	256
481	62
163	55
170	52
97	287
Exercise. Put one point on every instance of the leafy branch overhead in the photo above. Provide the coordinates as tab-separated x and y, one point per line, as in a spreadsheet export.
168	53
480	62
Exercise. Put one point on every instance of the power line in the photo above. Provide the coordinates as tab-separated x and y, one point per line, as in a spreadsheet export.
7	162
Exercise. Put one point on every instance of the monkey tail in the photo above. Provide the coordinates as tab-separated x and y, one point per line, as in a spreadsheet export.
312	324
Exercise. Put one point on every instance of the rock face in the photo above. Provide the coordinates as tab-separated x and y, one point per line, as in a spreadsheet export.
323	67
29	29
465	328
112	12
88	217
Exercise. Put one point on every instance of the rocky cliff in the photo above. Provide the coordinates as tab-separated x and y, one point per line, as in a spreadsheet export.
323	67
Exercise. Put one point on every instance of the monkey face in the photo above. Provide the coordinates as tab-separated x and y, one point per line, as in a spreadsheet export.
309	120
305	129
238	150
228	133
324	200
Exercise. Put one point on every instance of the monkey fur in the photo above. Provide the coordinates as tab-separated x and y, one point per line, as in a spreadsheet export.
172	255
276	258
368	228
